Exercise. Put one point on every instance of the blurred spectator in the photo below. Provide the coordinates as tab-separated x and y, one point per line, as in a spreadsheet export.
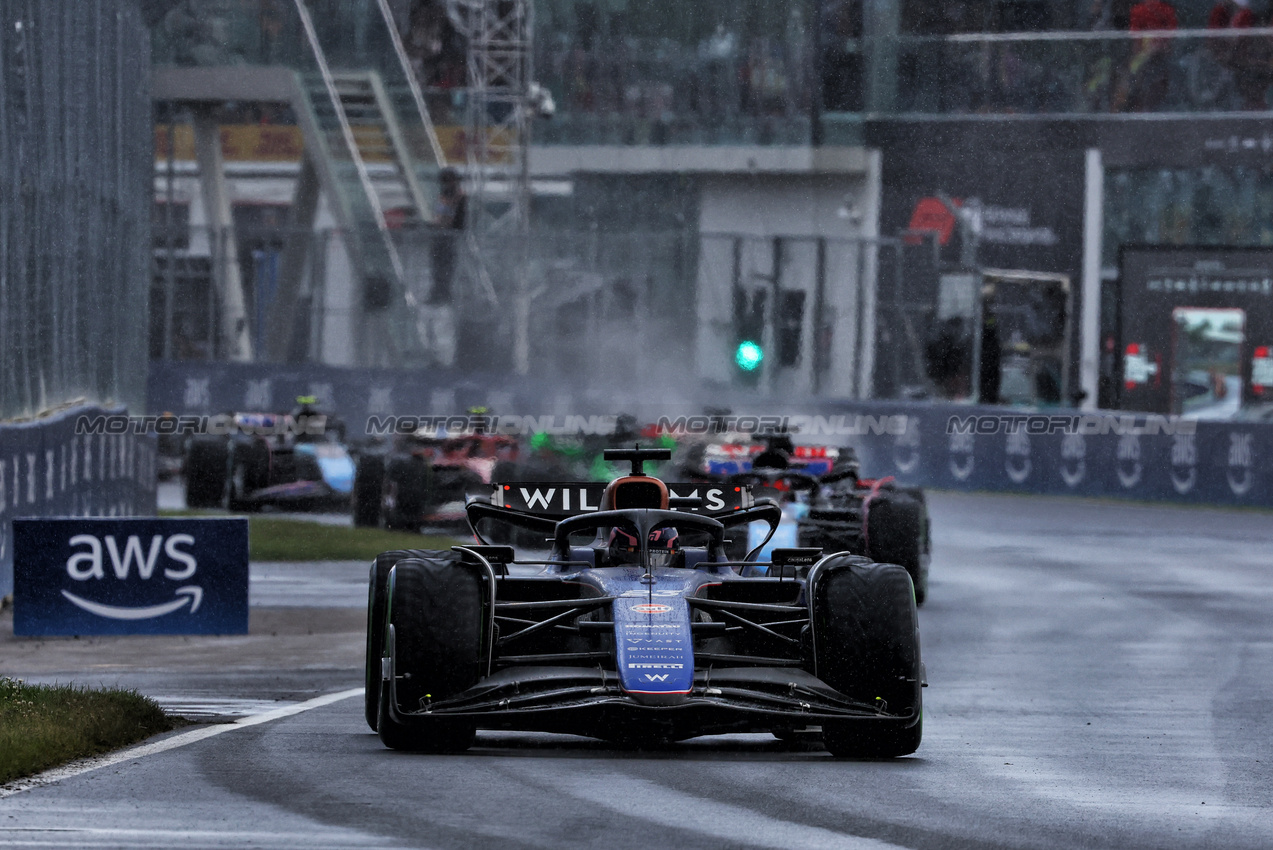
437	55
1149	68
193	35
1100	69
449	217
1231	13
1245	57
839	37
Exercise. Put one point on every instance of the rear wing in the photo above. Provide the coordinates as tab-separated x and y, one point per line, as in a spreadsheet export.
558	500
735	458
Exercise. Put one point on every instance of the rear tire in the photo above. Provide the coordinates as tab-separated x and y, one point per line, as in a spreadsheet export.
867	647
897	533
250	471
377	602
411	478
369	491
435	623
206	472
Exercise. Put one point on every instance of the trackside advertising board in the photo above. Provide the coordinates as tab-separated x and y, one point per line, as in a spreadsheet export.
130	576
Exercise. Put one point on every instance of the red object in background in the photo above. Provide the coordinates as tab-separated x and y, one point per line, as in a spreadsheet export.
395	217
1261	369
931	214
1153	15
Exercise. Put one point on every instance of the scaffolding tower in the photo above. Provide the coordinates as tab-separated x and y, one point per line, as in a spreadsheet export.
497	129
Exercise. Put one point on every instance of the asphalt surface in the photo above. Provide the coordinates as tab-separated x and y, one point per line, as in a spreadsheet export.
1100	677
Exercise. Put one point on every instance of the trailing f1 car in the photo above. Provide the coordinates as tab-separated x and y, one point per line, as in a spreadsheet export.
295	461
827	504
638	628
423	480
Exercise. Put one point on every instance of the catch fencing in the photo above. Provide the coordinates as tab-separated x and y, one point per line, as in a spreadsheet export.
76	164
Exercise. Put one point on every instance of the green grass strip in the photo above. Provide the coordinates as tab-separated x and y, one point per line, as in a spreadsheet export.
43	726
273	539
297	540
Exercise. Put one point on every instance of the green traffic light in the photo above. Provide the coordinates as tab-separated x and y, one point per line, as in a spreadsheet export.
748	355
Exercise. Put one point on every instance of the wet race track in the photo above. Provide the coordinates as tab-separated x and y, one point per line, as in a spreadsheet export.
1100	676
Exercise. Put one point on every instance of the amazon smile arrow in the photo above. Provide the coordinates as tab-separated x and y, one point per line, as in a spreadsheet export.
190	593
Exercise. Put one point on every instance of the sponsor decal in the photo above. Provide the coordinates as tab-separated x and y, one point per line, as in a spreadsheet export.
1128	464
1241	475
1073	459
962	455
906	447
1184	463
652	608
1016	460
554	498
130	576
660	666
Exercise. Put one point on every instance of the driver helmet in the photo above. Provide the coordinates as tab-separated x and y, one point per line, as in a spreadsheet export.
624	547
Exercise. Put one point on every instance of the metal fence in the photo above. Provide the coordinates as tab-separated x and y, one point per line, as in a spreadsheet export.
76	165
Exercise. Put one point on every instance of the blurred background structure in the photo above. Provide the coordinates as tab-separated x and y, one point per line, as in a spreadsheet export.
813	198
890	200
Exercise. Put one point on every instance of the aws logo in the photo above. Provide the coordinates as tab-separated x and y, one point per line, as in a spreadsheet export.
89	565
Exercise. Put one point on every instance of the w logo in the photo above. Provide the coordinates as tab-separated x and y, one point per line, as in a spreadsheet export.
656	677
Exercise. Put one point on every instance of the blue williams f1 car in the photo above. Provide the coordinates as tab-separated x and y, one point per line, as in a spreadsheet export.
637	628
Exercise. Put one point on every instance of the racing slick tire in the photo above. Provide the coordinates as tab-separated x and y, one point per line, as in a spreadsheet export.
410	477
434	640
377	597
866	633
206	472
249	471
369	491
896	526
830	529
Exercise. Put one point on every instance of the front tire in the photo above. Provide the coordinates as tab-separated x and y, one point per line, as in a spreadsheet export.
435	639
206	472
377	609
867	647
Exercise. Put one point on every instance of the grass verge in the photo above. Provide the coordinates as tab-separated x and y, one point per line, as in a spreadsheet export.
272	539
297	540
42	726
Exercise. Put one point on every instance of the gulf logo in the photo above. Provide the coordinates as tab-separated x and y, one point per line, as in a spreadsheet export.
652	609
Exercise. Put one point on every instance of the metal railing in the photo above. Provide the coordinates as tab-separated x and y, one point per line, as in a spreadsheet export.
1077	73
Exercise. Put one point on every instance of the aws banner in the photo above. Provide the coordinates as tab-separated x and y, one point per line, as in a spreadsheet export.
130	576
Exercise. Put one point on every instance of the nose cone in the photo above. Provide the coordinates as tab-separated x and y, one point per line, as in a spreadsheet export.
654	650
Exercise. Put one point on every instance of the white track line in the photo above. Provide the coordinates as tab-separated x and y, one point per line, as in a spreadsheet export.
182	739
